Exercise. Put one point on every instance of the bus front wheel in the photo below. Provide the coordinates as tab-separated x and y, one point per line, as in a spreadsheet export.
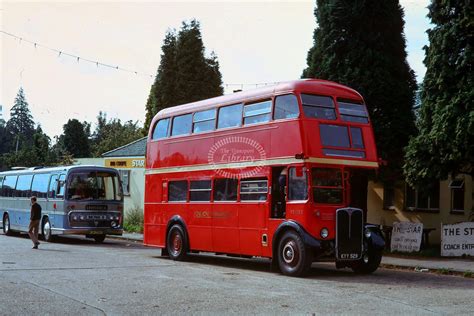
176	243
294	258
368	264
6	225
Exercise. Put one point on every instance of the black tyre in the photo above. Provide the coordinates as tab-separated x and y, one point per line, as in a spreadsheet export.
99	238
47	230
368	264
176	243
294	258
6	225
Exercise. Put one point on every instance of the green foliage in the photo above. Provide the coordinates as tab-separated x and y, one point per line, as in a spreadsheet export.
20	143
184	74
20	127
75	139
133	221
113	134
360	43
5	138
445	142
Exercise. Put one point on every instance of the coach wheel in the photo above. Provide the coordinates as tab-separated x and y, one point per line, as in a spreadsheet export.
294	259
47	232
99	239
176	243
6	225
368	264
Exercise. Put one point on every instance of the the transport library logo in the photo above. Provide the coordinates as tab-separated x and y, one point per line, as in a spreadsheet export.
237	156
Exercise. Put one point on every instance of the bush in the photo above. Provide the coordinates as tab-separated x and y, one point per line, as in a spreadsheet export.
133	222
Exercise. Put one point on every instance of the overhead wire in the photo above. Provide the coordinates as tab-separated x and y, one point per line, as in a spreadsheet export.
61	52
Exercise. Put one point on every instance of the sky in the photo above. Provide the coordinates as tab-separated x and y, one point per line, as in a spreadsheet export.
256	42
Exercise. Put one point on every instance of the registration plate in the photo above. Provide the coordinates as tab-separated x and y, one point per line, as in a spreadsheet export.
349	256
95	232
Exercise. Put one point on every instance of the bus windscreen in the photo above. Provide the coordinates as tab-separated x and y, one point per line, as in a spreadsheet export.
93	186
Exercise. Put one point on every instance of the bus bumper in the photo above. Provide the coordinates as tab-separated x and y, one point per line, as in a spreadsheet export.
87	231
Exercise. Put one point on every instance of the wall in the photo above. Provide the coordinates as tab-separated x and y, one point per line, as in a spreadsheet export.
377	215
136	166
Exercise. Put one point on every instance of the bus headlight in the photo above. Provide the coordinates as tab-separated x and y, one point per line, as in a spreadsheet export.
367	233
324	233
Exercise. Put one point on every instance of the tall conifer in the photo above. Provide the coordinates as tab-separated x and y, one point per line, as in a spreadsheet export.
445	142
185	74
20	126
360	43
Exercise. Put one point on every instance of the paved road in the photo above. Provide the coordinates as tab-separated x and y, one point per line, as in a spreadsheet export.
75	276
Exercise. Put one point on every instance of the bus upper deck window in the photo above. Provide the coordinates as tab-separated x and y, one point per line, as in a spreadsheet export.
204	121
230	116
181	125
353	111
315	106
161	129
286	107
257	112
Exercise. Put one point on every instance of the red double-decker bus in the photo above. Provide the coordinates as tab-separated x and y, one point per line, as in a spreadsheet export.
268	173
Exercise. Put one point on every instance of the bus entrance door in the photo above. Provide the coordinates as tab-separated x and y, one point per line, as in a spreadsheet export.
278	196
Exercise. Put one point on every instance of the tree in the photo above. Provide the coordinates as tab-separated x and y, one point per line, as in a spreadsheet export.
4	138
360	43
163	89
75	139
445	141
185	74
20	126
113	134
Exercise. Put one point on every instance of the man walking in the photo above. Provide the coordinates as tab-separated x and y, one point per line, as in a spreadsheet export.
35	216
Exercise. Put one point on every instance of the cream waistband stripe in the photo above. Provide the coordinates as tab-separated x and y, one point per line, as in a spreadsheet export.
262	163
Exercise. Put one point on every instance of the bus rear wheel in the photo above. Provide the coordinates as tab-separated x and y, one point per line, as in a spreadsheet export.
176	243
47	231
294	258
6	225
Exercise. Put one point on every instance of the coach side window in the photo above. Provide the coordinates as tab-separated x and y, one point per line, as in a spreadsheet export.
39	187
8	187
225	190
161	129
181	125
204	121
61	186
177	191
53	184
23	186
286	107
230	116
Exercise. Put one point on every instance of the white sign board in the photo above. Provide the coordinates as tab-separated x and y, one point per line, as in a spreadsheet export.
406	236
457	239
